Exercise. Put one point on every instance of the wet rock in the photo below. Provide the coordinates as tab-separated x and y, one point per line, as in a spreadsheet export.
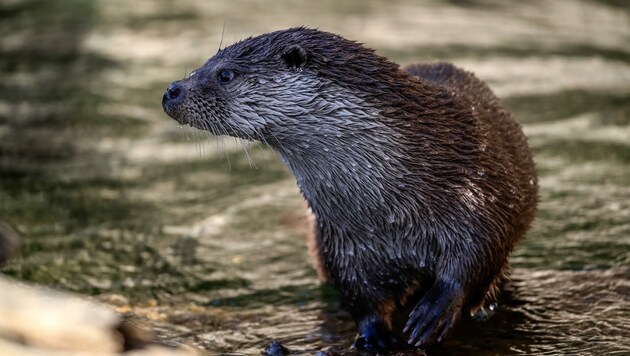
9	241
38	320
275	349
410	353
114	299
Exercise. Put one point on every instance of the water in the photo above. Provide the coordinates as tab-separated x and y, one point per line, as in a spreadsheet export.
113	198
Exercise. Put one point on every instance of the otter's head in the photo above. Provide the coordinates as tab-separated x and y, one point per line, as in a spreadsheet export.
282	87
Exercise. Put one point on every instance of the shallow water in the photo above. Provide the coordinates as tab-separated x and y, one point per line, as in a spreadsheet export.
206	243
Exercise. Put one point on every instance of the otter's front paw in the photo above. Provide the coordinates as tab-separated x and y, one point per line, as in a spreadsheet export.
435	314
375	336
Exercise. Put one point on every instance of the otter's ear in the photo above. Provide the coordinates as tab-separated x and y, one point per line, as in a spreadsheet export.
295	57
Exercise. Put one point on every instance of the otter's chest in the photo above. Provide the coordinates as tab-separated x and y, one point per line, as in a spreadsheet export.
377	257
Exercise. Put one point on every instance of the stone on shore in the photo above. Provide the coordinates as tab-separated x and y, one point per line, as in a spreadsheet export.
36	320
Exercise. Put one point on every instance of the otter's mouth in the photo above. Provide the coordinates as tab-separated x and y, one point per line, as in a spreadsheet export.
175	114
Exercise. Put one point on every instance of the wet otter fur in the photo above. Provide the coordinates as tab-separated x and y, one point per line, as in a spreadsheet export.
420	182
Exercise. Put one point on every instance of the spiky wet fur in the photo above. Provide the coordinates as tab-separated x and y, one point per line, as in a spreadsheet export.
419	181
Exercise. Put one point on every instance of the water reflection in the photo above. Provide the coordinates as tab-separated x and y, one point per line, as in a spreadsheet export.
112	198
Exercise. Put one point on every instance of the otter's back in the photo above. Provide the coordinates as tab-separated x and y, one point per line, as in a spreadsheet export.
501	130
447	75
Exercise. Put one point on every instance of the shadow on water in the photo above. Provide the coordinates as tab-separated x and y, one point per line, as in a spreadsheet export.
112	200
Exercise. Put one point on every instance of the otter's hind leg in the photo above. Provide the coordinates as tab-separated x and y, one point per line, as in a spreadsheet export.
485	309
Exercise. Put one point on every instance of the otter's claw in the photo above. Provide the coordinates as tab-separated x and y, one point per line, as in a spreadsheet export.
434	315
375	336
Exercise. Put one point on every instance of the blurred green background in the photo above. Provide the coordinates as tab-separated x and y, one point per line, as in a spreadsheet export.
113	199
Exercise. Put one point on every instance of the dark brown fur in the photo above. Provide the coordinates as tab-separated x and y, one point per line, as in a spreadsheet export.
420	182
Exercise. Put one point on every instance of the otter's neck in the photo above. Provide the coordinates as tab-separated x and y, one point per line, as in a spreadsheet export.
355	178
350	157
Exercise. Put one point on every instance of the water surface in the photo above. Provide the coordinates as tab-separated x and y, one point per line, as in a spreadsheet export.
206	243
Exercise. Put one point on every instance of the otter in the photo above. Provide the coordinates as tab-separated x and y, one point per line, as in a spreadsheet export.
420	182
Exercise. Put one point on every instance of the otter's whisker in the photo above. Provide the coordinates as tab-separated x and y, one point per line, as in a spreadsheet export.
264	140
186	132
209	138
227	154
209	129
278	141
180	129
242	132
256	141
195	137
220	149
250	158
202	141
222	34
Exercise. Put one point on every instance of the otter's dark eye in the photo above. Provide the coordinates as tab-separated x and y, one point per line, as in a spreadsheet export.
225	76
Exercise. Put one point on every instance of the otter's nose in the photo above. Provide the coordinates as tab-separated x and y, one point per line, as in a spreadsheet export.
173	94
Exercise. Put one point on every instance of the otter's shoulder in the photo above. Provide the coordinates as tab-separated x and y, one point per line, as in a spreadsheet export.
447	75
